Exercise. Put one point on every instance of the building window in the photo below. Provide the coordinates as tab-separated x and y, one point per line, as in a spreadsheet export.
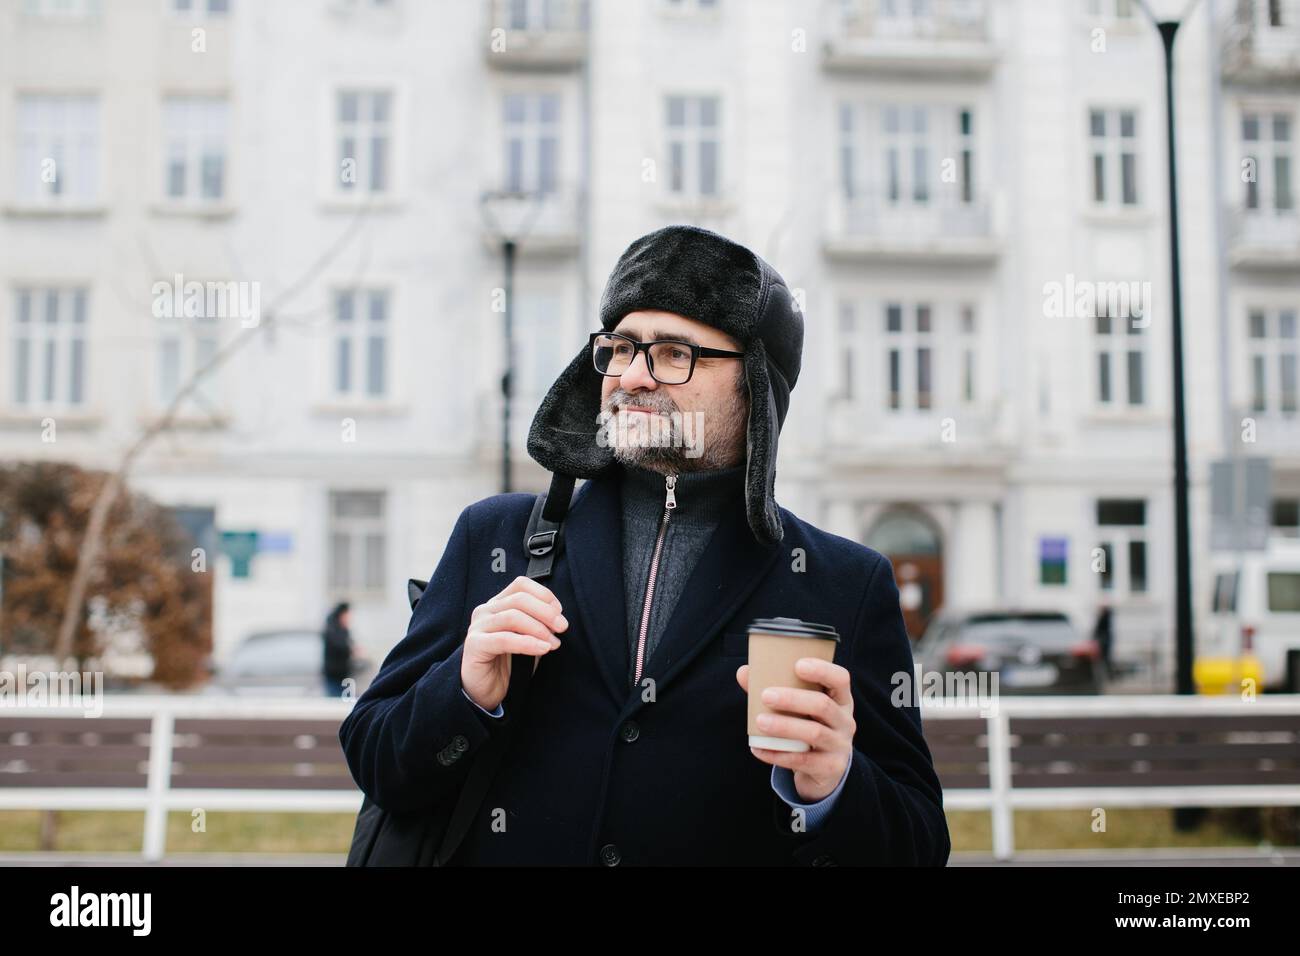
1271	351
969	342
360	343
364	137
890	154
62	9
850	352
904	18
1260	14
539	357
1266	142
1113	142
532	136
354	6
357	537
49	348
200	8
909	356
966	151
185	345
58	146
905	139
195	141
1121	530
1110	9
848	149
1119	350
1286	517
693	145
534	15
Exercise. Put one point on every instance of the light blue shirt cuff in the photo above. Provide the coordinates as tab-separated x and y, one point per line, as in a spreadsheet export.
499	712
814	813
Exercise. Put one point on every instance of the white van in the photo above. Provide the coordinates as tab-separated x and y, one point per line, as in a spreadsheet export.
1255	619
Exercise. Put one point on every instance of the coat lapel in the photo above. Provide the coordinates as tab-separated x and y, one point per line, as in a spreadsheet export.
593	548
731	567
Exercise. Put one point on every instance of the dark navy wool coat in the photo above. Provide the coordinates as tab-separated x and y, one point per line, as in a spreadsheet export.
594	773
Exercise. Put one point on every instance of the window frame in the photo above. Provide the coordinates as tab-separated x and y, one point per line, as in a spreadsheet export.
196	137
358	338
1118	539
1109	148
50	369
690	137
1116	345
1265	151
360	131
51	139
364	579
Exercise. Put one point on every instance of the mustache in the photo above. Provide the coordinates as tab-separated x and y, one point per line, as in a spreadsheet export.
659	403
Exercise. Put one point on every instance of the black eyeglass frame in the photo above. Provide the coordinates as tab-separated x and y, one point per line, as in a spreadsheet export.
697	351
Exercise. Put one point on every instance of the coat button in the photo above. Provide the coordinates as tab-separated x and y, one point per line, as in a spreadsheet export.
609	855
630	732
460	743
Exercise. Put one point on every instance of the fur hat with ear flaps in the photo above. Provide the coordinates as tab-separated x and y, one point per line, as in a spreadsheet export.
706	277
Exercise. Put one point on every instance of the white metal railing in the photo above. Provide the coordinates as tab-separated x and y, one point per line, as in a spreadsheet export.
938	20
874	217
540	16
1278	229
158	796
1261	35
1002	799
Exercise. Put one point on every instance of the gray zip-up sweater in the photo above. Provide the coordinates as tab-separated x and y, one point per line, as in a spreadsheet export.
700	496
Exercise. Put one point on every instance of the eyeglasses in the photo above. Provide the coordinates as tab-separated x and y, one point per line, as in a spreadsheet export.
670	362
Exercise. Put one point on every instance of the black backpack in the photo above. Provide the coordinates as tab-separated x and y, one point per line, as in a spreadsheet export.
412	838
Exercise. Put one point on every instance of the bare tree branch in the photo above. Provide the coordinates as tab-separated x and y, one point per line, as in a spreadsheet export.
89	554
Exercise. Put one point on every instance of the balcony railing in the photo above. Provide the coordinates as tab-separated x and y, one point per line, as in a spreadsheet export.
1260	238
870	226
1261	41
944	36
536	34
544	223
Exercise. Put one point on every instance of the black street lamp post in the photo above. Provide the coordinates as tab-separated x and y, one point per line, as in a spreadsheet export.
1183	649
1185	818
508	216
507	377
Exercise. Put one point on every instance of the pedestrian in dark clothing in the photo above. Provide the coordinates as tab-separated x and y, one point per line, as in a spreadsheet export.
1103	634
632	746
338	649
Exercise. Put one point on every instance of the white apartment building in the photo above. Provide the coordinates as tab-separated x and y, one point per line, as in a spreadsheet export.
931	175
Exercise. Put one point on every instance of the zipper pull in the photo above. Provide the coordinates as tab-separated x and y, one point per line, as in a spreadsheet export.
671	482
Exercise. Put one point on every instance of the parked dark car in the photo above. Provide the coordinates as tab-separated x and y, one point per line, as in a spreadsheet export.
283	663
1032	652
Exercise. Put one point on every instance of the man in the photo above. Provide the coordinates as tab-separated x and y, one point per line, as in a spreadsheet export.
631	746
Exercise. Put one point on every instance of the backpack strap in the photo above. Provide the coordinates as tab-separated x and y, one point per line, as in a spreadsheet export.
542	540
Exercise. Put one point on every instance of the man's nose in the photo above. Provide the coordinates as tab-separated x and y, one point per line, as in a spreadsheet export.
637	375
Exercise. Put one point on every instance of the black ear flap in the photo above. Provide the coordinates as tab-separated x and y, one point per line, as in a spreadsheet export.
564	435
760	450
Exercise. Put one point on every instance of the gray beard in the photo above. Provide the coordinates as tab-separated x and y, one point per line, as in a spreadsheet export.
672	458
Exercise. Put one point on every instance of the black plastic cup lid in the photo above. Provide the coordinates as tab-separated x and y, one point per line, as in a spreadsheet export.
793	627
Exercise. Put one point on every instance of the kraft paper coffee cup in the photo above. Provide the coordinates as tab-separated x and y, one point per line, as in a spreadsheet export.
775	643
